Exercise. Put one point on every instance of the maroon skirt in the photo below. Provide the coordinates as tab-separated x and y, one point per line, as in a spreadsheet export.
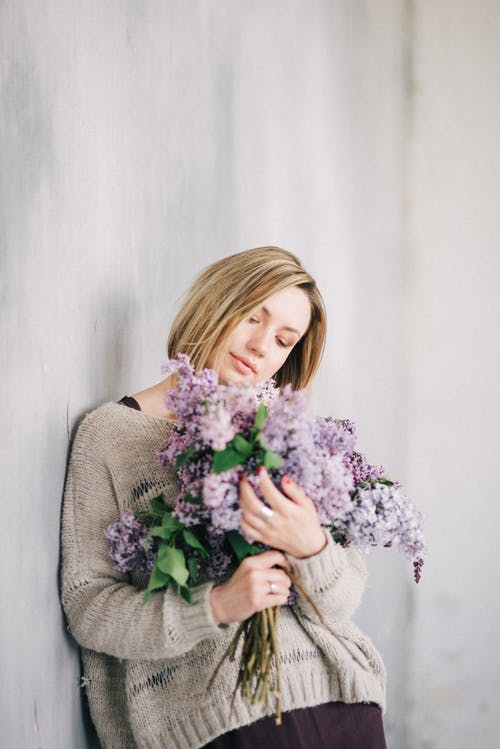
334	725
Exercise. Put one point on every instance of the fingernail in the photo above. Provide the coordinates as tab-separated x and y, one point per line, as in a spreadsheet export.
260	469
286	480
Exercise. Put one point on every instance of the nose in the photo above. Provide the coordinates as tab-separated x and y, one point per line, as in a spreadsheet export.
258	343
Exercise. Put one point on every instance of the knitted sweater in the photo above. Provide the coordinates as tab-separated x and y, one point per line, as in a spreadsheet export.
146	668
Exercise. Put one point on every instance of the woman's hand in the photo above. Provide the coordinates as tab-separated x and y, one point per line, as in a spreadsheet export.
257	584
291	524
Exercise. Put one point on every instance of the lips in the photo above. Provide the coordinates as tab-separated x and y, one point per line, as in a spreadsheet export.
244	365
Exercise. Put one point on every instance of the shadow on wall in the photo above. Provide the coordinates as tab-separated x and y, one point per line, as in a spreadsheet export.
109	357
111	346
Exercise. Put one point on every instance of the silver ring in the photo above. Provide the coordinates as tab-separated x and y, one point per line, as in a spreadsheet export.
273	588
266	513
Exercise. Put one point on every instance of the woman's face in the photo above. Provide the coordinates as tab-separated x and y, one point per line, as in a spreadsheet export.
261	342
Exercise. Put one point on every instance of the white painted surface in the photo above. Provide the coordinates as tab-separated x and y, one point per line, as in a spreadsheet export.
453	373
139	142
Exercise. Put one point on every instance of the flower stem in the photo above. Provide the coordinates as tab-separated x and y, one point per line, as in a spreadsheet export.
259	635
259	647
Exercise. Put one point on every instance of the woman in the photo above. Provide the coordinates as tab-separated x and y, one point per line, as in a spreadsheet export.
251	316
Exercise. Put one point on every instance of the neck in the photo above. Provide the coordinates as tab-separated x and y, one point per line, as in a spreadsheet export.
152	399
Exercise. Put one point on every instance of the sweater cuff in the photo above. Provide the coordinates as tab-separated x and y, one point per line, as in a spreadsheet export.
321	571
197	622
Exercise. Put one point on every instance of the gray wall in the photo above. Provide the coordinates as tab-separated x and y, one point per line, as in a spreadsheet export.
142	140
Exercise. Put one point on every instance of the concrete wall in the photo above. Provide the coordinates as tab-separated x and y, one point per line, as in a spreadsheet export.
453	368
142	140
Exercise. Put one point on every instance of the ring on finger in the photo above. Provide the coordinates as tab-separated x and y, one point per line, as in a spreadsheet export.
266	513
273	588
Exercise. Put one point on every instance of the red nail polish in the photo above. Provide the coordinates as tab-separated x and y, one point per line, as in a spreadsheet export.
286	480
260	469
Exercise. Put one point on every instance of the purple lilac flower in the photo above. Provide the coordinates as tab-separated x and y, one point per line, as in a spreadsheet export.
335	435
226	518
319	454
130	548
382	515
286	426
267	391
361	470
190	513
193	389
208	415
217	426
242	402
221	489
222	563
312	453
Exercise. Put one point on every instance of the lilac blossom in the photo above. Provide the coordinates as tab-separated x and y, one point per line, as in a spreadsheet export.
220	489
348	492
222	563
335	436
130	548
285	425
381	515
351	496
362	471
217	426
312	452
267	391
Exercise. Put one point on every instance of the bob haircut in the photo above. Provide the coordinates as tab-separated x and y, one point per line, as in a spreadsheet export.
228	290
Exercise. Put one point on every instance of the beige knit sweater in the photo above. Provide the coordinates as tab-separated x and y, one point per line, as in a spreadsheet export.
146	668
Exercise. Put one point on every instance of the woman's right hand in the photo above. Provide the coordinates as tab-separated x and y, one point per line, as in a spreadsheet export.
249	588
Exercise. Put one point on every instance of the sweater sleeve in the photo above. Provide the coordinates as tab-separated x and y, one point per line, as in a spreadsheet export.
335	580
104	611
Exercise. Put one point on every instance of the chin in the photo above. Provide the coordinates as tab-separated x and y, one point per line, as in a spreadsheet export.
235	378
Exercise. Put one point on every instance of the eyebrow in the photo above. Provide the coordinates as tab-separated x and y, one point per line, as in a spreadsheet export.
285	327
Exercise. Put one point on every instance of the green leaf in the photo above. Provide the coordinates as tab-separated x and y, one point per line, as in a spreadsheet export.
185	593
271	459
241	548
260	416
157	579
223	460
386	481
170	522
192	500
243	446
183	458
193	569
158	504
144	513
173	562
159	531
338	536
192	540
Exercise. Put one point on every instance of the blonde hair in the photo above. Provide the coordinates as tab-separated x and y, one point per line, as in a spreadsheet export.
227	290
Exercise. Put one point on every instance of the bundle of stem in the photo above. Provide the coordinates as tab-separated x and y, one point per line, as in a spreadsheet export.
260	647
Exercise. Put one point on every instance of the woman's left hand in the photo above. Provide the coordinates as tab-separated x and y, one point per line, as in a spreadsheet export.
290	523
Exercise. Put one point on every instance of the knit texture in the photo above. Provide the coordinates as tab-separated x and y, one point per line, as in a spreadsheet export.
147	667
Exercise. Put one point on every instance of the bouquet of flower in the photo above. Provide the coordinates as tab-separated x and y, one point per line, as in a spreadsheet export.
221	433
